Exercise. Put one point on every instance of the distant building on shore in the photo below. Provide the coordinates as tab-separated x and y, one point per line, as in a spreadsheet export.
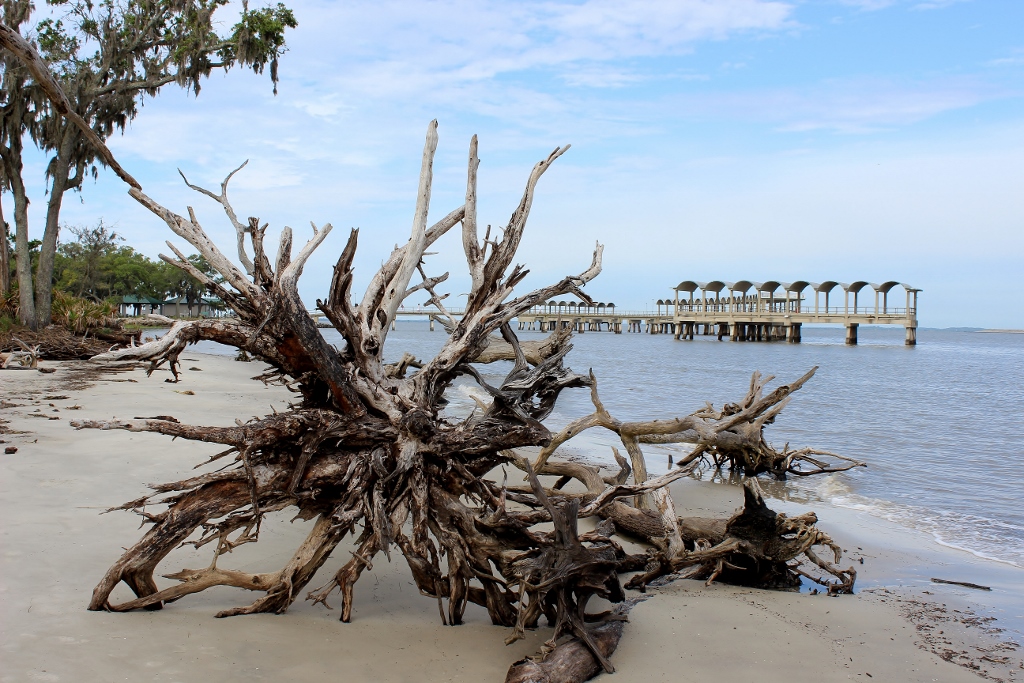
132	305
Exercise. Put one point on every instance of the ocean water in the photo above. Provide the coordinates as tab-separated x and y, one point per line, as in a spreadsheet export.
941	425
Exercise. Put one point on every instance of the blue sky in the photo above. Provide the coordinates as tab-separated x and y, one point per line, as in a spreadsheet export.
728	139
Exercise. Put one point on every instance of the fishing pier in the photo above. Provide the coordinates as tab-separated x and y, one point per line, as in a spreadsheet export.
742	311
738	311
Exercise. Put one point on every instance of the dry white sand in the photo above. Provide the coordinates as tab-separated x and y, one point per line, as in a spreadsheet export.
56	546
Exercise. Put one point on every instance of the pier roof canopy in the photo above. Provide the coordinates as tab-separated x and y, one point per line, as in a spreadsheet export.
687	286
715	286
769	286
886	286
740	285
796	287
855	287
826	286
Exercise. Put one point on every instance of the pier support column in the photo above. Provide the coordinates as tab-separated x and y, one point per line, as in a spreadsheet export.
723	329
431	319
793	333
851	334
911	339
734	331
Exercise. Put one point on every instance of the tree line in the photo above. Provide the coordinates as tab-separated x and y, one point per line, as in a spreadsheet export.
98	266
107	57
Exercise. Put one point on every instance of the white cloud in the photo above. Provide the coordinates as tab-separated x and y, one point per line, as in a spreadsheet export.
868	5
875	5
433	47
936	4
1016	57
851	105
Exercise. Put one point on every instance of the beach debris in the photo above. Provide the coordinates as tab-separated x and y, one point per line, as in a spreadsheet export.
962	636
11	450
56	342
366	449
185	392
194	368
25	359
965	584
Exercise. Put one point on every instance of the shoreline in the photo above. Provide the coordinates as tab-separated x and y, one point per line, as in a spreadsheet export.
53	488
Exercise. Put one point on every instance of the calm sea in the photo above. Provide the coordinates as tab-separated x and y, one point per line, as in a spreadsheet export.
940	424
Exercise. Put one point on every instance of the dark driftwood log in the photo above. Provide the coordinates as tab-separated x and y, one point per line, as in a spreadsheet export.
366	451
573	661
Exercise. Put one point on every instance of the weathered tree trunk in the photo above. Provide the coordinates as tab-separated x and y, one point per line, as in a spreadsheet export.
15	112
23	262
5	254
366	450
22	257
59	184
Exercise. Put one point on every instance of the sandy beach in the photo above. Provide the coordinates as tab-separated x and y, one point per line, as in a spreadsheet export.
56	545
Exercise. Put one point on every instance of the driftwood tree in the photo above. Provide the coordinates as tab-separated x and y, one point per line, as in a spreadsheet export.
367	451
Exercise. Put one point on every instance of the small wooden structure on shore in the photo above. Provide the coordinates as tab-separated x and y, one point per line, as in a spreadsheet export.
739	311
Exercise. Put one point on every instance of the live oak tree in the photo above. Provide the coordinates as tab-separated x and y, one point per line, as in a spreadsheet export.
369	455
107	56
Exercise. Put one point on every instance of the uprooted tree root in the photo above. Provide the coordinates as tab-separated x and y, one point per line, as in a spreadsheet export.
366	450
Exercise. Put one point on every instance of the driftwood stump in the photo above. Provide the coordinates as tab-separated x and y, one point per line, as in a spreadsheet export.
366	451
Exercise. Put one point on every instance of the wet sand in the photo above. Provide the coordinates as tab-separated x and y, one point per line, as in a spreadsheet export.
56	546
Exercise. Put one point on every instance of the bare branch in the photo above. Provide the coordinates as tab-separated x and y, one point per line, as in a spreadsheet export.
394	291
195	236
470	243
505	250
222	199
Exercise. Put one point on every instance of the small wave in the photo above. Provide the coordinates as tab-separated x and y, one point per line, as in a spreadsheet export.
976	553
982	537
